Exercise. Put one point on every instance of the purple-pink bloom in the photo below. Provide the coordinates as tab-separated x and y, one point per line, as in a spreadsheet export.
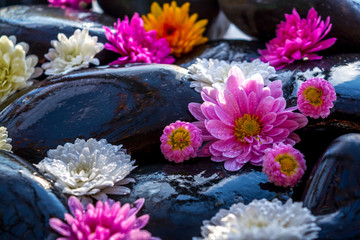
76	4
135	44
106	221
315	97
284	165
244	119
180	141
297	39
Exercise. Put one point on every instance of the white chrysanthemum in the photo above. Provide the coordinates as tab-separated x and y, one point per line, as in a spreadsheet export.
214	73
15	67
5	140
262	219
72	53
89	169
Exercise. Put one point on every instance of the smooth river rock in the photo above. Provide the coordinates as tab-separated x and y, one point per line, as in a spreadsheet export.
206	9
38	25
178	197
228	50
129	106
333	191
27	201
4	3
260	18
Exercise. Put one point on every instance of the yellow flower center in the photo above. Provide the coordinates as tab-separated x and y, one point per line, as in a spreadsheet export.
288	164
247	126
179	139
313	95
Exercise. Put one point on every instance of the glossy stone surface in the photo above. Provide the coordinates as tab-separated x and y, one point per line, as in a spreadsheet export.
259	18
27	201
178	197
128	106
206	9
333	190
229	50
39	24
4	3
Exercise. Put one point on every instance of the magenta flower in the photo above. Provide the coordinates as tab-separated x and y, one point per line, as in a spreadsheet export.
284	165
316	97
180	141
76	4
244	119
135	45
108	220
297	39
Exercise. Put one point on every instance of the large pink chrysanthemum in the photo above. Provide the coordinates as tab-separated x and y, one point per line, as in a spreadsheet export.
135	45
316	97
297	39
244	119
284	165
76	4
108	220
180	141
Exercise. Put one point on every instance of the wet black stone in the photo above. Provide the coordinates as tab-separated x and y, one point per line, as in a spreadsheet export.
38	25
27	201
206	9
259	18
178	197
4	3
333	193
128	106
229	50
342	71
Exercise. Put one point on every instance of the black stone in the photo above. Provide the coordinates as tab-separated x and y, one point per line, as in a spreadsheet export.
178	197
38	25
4	3
27	201
333	191
206	9
228	50
260	18
128	106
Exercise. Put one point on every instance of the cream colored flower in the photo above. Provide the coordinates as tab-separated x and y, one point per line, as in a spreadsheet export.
15	67
4	140
262	219
89	169
214	72
72	53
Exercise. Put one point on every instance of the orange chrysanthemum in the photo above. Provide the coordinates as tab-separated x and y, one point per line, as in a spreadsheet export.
175	25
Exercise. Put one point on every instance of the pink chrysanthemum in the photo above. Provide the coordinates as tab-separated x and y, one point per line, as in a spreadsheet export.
135	45
284	165
108	220
297	39
180	141
315	97
76	4
244	119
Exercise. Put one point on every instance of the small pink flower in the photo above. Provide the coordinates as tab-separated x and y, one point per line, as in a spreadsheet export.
108	220
76	4
244	119
297	39
284	165
180	141
315	97
135	45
